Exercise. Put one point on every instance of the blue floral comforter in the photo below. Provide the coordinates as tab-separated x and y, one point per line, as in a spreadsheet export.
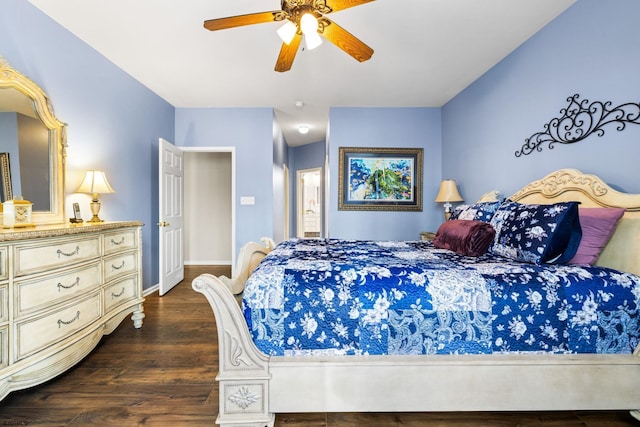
338	297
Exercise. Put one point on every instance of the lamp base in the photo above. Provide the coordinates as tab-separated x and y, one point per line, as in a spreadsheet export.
447	211
95	210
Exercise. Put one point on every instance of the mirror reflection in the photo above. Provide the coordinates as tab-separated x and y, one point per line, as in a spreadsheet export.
32	147
24	146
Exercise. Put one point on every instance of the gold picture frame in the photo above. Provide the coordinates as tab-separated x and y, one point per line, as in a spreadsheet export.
5	175
382	179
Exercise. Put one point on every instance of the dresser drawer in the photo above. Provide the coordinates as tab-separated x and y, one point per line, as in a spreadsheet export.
120	292
49	290
4	303
119	265
4	346
120	241
4	270
35	334
54	253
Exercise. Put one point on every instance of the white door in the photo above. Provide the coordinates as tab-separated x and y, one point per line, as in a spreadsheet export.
171	221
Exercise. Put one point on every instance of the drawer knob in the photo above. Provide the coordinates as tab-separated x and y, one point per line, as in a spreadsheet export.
76	252
68	322
61	286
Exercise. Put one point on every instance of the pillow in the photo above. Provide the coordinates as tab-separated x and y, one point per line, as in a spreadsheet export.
470	238
477	211
598	225
537	233
490	196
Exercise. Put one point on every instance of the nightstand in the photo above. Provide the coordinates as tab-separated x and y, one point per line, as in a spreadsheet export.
427	235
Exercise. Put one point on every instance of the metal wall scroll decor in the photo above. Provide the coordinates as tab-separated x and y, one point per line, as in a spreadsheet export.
579	120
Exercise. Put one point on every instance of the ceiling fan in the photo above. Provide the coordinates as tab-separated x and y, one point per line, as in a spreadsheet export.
303	17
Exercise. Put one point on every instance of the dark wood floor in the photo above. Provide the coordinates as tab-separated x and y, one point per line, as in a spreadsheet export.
163	375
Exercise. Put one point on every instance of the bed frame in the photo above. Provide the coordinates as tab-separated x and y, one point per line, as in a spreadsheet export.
254	387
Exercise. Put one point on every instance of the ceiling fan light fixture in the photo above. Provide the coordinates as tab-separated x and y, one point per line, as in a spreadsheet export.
287	31
308	18
309	27
312	40
308	24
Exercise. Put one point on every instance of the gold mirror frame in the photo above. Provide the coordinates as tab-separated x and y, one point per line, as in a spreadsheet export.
11	78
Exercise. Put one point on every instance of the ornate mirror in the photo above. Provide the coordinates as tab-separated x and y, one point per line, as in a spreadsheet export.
32	147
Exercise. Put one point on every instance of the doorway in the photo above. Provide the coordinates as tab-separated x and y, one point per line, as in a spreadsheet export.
309	203
209	210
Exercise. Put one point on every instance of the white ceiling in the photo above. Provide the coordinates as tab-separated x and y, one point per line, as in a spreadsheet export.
426	52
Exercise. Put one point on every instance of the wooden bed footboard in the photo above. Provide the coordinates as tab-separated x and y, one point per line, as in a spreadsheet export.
254	386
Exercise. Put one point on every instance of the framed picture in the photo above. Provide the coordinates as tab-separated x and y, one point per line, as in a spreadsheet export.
5	175
388	179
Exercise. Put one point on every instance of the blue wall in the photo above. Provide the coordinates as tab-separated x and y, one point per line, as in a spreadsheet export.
114	122
250	131
9	143
591	50
386	127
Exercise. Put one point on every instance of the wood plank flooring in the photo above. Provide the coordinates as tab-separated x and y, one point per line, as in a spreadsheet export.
164	375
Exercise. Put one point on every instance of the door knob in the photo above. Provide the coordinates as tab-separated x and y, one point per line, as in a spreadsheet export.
163	224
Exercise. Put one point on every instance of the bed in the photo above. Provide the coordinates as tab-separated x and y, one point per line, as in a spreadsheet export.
254	386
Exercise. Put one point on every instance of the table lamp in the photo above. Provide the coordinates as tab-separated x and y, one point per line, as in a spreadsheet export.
94	183
448	193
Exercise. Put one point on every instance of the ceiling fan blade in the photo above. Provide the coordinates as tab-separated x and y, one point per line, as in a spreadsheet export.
288	54
240	20
337	5
346	41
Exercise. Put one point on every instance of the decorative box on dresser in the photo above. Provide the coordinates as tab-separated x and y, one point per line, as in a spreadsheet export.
62	287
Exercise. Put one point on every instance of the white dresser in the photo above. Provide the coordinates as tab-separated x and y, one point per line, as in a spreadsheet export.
61	289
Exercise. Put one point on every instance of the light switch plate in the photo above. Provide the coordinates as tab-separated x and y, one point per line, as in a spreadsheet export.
247	200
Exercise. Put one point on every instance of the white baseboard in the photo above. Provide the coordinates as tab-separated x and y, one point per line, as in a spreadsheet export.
152	289
209	262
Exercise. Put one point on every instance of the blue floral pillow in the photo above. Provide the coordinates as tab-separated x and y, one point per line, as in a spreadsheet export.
477	211
537	233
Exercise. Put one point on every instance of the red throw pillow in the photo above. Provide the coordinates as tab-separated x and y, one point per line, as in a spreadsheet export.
465	237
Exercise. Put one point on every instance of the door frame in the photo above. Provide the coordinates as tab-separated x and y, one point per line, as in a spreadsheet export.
299	201
287	202
232	151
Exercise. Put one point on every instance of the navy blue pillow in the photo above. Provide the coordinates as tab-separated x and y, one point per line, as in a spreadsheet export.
537	233
476	212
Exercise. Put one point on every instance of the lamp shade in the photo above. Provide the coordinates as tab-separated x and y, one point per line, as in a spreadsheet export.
448	192
308	24
287	32
95	182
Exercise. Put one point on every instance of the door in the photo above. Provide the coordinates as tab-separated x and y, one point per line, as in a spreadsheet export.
171	221
309	203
